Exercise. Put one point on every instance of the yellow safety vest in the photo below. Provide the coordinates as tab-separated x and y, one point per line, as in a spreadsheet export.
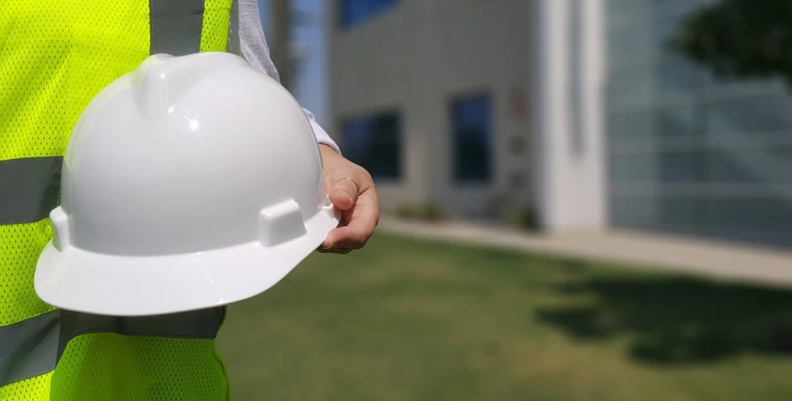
55	56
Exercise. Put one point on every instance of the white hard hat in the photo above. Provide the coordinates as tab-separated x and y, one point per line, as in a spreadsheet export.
190	182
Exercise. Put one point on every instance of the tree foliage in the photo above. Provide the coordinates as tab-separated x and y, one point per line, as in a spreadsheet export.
739	38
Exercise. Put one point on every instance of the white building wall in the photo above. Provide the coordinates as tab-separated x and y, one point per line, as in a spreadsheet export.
417	58
569	92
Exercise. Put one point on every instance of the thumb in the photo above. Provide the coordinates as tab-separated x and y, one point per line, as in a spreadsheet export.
343	192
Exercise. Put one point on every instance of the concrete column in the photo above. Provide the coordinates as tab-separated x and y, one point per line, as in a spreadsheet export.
568	89
281	41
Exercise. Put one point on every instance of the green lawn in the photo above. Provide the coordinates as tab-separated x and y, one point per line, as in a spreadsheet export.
414	320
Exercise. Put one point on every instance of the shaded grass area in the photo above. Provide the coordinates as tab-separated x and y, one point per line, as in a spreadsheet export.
414	320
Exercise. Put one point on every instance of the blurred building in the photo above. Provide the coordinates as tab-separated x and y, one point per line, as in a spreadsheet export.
573	108
431	97
307	52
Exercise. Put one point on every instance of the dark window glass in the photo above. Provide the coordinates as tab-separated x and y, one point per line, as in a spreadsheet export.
374	142
746	115
471	133
691	152
686	166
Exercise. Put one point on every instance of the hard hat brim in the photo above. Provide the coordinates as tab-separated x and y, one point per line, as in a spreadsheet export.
81	281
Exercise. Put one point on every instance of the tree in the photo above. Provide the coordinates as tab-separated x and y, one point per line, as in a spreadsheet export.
739	38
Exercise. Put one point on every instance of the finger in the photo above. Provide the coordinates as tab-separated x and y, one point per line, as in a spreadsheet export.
355	234
334	250
343	193
358	223
348	237
363	218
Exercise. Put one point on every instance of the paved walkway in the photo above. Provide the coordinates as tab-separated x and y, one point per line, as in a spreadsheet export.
710	259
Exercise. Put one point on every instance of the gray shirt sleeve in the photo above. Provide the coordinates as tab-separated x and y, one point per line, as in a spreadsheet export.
253	47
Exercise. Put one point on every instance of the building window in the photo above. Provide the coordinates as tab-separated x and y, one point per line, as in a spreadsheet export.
374	143
690	152
471	134
355	12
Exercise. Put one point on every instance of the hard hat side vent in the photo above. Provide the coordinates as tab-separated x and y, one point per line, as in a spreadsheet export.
281	223
61	238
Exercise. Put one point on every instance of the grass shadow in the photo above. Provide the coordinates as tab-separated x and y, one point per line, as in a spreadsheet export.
676	320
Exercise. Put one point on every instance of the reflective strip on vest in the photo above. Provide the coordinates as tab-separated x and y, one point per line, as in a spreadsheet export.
30	188
200	324
33	347
170	20
234	46
29	348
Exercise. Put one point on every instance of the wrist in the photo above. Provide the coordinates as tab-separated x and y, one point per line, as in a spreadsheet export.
330	155
328	145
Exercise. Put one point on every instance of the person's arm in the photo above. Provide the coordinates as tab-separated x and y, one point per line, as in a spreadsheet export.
349	186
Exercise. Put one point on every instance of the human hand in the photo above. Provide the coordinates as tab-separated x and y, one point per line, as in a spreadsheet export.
351	189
